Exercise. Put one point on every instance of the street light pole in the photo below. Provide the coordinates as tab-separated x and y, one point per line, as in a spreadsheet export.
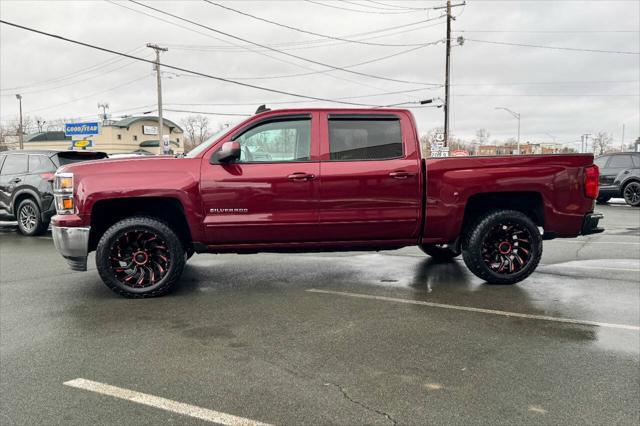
19	98
516	115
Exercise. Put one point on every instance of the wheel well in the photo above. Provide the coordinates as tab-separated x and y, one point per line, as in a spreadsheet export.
628	182
529	203
19	198
169	210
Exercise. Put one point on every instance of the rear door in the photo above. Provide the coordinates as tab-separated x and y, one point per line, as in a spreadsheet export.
370	177
617	163
14	170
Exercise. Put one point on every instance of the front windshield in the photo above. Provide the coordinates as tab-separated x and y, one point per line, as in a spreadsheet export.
206	144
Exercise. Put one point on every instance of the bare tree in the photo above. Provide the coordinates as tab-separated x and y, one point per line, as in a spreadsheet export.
482	136
601	143
196	130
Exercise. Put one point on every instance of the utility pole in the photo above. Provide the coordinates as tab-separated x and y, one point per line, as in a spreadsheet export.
159	49
19	98
517	116
104	107
447	67
622	144
585	142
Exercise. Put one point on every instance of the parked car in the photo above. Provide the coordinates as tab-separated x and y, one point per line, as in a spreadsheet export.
26	192
342	180
620	177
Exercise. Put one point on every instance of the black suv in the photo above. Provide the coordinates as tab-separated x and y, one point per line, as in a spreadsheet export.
620	177
26	192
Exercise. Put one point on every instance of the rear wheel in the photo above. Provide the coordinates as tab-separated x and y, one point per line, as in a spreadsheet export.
30	221
603	199
440	252
502	247
631	194
140	257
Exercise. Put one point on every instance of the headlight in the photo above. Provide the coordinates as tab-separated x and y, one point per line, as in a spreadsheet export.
63	183
63	190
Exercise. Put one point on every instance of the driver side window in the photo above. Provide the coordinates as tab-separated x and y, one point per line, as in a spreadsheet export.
276	142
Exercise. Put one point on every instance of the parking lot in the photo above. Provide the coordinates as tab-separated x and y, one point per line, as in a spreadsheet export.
357	338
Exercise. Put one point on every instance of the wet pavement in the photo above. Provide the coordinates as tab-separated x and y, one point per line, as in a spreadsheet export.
358	338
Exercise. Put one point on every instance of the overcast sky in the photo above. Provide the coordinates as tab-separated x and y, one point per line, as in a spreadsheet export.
563	93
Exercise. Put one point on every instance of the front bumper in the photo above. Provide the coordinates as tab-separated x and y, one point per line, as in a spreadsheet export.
73	245
590	224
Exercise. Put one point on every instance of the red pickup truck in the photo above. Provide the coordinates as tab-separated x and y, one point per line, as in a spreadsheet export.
302	180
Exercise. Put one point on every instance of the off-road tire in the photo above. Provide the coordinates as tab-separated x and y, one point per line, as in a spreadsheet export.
29	218
603	199
630	191
140	224
474	238
438	252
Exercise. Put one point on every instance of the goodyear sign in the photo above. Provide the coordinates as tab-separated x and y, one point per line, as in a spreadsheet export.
82	129
81	144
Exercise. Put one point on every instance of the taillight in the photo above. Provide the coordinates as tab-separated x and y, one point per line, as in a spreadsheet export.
591	185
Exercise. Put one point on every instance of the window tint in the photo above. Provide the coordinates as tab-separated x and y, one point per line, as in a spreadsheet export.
636	160
40	163
15	164
621	161
364	139
601	161
279	141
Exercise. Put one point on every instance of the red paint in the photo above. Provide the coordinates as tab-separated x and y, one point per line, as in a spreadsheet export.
322	204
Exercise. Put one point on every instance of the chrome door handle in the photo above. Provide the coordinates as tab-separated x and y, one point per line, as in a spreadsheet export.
301	176
401	174
16	180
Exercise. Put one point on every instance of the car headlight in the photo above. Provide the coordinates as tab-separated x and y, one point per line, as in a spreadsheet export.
63	190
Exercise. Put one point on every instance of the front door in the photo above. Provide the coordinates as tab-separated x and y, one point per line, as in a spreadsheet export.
370	178
270	194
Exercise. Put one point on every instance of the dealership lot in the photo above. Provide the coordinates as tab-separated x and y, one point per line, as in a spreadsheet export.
375	338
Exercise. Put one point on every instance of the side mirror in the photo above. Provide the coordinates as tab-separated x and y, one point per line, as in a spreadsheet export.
229	152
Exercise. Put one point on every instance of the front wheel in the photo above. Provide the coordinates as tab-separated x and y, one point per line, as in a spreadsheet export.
502	247
140	257
631	194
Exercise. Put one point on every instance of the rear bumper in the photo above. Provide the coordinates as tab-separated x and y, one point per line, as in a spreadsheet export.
73	245
590	224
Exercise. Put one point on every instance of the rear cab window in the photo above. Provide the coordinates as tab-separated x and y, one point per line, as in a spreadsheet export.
361	137
15	164
70	157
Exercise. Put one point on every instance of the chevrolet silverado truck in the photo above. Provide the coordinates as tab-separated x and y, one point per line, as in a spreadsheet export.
304	180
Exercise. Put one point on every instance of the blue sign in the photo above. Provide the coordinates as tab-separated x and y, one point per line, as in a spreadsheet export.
82	129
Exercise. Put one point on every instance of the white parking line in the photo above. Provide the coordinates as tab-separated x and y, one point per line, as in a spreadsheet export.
593	242
163	403
479	310
547	265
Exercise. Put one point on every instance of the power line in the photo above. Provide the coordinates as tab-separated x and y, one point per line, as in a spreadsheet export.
553	47
226	80
547	31
379	12
210	113
72	74
330	37
275	50
396	6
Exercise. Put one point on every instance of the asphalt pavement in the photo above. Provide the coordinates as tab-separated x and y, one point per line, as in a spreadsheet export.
338	338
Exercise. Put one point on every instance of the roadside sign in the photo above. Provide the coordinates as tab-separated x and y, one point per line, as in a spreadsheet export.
82	129
81	144
459	153
440	137
439	151
165	144
149	130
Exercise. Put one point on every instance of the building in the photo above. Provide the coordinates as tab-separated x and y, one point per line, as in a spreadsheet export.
129	135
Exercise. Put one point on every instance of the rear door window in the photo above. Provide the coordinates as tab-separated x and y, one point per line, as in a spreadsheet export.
354	138
601	162
40	164
621	162
15	164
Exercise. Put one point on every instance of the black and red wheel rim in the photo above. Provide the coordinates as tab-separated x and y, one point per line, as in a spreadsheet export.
507	248
139	258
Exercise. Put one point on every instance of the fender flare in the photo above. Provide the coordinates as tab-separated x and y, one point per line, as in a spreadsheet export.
33	194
